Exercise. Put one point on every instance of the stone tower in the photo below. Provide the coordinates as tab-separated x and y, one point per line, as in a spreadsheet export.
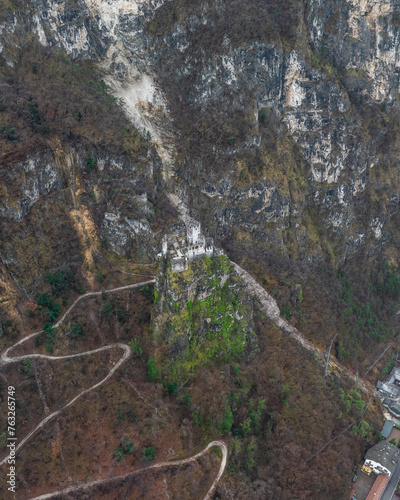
193	232
164	246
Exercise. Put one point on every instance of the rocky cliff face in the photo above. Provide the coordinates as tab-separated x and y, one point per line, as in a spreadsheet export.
321	96
276	128
363	36
279	130
77	180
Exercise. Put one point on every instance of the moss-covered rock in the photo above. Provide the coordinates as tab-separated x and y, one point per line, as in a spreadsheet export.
203	315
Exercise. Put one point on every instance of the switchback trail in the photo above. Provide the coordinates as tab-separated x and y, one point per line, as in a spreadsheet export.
269	306
127	353
159	465
5	359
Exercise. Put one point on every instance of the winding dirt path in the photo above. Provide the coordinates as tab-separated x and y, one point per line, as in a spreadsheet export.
159	465
5	359
270	307
127	351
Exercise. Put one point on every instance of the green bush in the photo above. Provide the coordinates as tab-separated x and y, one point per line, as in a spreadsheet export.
245	427
365	430
389	365
227	420
44	299
187	399
53	309
9	133
119	454
132	416
122	315
35	115
344	354
27	367
250	461
50	332
127	446
90	162
77	330
390	284
137	350
49	345
196	418
109	308
285	392
170	387
149	453
39	339
61	281
352	400
146	290
152	370
286	311
100	277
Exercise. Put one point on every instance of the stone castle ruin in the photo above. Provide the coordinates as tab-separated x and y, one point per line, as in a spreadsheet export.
187	243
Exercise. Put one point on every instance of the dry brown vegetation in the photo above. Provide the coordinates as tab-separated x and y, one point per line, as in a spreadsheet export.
276	410
352	306
214	131
276	403
46	99
261	21
59	112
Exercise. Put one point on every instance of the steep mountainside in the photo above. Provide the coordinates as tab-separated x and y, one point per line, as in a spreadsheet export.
274	124
285	130
288	126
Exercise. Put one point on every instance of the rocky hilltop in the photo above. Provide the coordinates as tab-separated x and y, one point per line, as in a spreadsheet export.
203	315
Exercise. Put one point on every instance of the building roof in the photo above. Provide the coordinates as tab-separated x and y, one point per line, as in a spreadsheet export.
378	487
392	406
387	428
385	454
391	384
